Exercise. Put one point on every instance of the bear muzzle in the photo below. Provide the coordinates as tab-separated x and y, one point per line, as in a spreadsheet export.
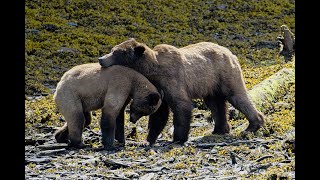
105	61
134	118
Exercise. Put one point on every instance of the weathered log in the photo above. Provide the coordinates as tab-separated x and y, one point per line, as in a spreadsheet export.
114	164
51	152
53	146
265	93
235	143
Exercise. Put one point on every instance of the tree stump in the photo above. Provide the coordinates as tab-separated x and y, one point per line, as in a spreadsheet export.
287	43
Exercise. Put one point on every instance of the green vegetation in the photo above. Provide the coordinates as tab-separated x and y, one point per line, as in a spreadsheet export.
62	34
89	29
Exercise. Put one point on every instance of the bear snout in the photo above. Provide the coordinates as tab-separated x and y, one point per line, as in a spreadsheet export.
100	61
134	118
106	60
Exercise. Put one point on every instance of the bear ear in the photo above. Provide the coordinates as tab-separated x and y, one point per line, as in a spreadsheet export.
139	50
153	99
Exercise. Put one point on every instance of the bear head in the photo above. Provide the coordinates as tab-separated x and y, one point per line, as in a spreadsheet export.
129	53
144	106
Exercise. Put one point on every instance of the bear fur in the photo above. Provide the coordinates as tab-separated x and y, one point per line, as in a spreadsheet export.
89	87
203	70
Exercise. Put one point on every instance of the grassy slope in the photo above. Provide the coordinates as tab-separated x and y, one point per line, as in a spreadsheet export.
240	26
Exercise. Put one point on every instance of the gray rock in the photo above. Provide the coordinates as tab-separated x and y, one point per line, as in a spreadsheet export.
198	124
50	27
66	49
72	24
148	176
222	7
33	31
38	160
131	175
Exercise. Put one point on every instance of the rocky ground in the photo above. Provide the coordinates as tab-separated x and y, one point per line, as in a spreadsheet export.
62	34
267	154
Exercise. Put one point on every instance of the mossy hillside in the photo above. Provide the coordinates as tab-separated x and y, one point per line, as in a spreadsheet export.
89	29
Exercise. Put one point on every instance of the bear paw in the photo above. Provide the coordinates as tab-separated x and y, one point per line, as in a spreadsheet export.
221	130
253	127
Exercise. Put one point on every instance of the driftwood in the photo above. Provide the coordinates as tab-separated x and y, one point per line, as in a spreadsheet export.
38	160
264	157
114	164
235	143
264	94
53	146
51	152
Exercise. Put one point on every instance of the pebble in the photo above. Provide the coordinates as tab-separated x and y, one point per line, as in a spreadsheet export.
148	176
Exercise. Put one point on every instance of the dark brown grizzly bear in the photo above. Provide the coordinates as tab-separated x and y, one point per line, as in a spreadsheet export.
203	70
89	87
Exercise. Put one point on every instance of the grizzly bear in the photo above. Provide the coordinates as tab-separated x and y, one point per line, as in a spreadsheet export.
89	87
203	70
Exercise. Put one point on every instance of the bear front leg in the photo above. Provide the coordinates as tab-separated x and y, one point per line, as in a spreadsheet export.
119	134
157	122
108	126
182	110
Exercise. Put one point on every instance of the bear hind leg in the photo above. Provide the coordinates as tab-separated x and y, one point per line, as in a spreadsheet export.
182	111
76	122
62	134
245	106
217	106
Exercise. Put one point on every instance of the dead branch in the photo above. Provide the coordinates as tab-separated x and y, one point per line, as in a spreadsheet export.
53	146
236	143
264	157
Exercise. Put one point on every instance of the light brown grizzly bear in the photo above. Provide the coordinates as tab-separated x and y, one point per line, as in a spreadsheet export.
89	87
203	70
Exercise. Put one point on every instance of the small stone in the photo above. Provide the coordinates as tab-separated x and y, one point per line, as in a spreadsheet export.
52	176
171	160
152	152
131	174
214	151
148	176
93	161
50	27
197	124
33	31
37	160
140	129
222	7
198	115
72	24
170	131
66	49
